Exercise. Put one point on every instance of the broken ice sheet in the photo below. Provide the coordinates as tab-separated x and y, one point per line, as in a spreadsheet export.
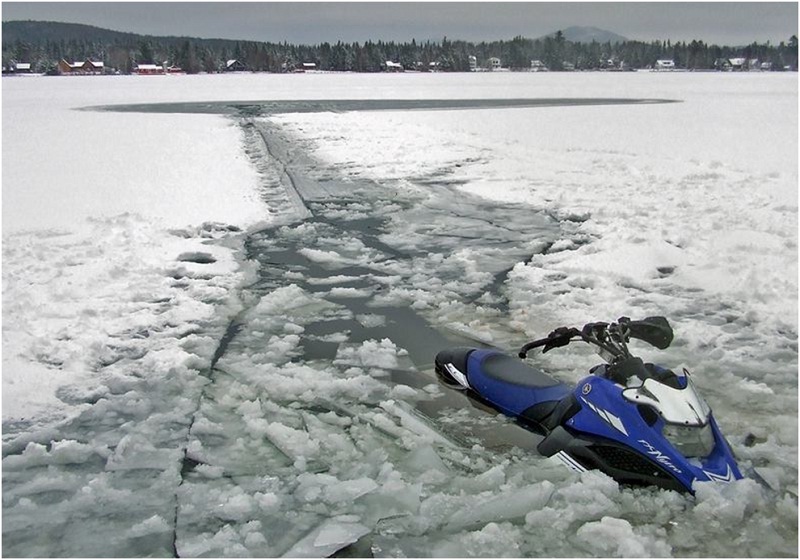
371	320
372	353
332	535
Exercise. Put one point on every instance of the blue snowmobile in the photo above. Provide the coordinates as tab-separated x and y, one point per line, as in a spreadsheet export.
640	423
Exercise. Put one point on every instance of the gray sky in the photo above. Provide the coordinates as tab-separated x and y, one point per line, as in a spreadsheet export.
714	22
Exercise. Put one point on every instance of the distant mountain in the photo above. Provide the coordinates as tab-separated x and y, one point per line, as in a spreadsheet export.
589	34
36	31
39	32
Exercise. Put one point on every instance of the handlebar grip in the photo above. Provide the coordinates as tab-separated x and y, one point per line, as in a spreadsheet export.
523	352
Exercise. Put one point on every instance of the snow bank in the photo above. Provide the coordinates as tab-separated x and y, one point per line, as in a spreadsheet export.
62	166
80	308
105	255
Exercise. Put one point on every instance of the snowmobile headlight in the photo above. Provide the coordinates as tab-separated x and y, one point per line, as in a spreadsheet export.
690	441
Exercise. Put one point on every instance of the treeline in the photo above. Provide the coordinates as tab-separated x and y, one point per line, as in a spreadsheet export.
122	51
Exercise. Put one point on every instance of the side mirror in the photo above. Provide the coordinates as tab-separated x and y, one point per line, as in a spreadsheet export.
653	330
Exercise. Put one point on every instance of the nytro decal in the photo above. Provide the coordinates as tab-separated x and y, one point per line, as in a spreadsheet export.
659	456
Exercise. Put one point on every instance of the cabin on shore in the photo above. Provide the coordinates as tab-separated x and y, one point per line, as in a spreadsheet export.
86	67
235	66
538	66
664	64
148	69
390	66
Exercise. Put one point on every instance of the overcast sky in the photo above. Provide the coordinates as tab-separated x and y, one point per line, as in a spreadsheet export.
713	22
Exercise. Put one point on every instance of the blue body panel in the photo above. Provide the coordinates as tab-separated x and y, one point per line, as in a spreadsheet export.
605	414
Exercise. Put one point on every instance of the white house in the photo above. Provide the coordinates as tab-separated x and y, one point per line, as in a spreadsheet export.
737	63
494	63
665	64
393	66
538	66
473	64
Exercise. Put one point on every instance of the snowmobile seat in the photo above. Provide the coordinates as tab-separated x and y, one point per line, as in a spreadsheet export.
507	369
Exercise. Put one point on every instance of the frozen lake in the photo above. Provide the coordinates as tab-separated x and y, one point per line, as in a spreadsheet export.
218	336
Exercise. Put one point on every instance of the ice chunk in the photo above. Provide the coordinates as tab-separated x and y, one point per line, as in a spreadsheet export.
424	459
349	490
330	536
615	537
728	504
403	392
371	320
335	279
371	353
492	541
413	420
63	452
322	257
339	292
504	506
136	452
320	486
152	525
287	299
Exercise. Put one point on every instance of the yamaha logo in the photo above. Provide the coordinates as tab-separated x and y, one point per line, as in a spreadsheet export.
587	389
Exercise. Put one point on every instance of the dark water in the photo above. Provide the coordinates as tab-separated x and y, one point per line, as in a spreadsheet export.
274	107
390	239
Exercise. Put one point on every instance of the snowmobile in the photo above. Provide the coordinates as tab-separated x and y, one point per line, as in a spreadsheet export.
638	422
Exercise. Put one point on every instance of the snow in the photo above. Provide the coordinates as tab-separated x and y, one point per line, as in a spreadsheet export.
125	433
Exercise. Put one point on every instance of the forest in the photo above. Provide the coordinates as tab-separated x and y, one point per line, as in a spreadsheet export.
43	44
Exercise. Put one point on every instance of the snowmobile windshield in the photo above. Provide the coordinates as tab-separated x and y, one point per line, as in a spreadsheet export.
681	407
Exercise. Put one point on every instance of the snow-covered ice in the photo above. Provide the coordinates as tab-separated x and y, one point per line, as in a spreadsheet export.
164	393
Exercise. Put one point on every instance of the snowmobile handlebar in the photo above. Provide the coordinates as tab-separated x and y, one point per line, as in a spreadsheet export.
559	337
612	338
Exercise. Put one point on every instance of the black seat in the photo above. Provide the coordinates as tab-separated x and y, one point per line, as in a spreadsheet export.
502	367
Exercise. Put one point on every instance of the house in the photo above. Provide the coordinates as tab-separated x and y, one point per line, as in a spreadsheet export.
80	68
766	67
664	64
568	66
65	67
93	67
309	66
538	66
473	64
494	63
172	69
148	69
434	66
23	68
737	64
390	66
235	66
